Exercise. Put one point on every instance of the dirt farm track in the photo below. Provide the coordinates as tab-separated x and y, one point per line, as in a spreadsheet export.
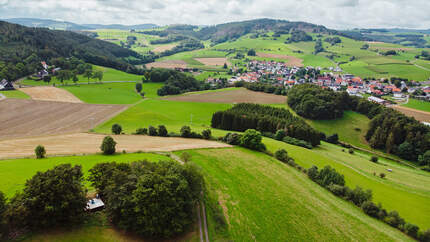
26	118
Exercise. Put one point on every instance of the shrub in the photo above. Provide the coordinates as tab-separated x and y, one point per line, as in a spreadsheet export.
393	219
424	236
138	87
152	131
351	151
185	132
142	131
40	152
313	173
280	134
207	134
232	138
185	157
116	129
382	175
162	131
108	146
359	196
297	142
411	230
374	159
337	190
281	155
252	139
370	209
329	176
333	139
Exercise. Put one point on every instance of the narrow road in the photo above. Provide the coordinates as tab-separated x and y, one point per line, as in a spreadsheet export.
199	212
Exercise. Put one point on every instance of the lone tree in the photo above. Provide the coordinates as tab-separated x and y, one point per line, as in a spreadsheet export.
98	75
88	74
252	139
162	131
40	152
251	52
138	87
225	66
108	146
116	129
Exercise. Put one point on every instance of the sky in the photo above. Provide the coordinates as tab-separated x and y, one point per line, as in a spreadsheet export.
336	14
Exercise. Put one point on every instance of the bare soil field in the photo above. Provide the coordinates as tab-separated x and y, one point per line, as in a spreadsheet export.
84	143
417	114
213	61
162	48
25	118
291	60
50	94
170	64
231	96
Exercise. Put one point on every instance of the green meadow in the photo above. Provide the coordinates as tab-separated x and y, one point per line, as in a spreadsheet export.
15	94
266	200
418	104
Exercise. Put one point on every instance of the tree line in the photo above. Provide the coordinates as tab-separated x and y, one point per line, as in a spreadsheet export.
245	116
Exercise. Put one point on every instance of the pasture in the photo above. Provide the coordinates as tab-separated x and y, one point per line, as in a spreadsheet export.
418	105
15	94
266	200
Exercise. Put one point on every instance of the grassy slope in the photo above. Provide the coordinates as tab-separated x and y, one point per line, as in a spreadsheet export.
265	200
12	181
403	186
15	94
418	104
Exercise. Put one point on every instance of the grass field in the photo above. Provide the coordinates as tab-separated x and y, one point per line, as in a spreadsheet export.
113	93
12	181
403	186
265	200
170	113
15	94
418	104
351	128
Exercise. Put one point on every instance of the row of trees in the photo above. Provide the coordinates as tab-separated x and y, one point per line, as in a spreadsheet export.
265	119
261	87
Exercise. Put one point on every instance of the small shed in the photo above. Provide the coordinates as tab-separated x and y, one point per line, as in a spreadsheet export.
6	85
95	204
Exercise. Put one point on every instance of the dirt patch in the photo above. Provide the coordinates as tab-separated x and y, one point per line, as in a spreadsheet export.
291	60
26	118
417	114
84	143
231	96
50	94
170	64
162	48
213	61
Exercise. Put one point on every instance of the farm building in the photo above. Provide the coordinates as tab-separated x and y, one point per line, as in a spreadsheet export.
377	100
6	85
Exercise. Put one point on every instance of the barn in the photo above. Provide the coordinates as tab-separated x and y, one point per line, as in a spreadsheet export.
6	85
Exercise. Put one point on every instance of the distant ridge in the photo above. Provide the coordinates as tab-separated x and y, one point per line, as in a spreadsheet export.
64	25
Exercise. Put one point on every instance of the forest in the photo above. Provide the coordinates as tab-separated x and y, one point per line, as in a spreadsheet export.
22	49
245	116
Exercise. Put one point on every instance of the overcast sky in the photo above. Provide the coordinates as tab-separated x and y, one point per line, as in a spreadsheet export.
338	14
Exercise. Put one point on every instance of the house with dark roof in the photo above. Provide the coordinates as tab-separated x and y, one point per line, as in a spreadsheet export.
6	85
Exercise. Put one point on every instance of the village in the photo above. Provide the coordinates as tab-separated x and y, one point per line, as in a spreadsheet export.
278	73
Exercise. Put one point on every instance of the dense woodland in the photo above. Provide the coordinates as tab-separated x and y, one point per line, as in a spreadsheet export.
175	82
389	130
265	119
22	49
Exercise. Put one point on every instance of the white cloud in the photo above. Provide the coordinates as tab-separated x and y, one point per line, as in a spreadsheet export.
331	13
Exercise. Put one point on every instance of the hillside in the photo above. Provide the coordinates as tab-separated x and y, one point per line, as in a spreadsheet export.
22	49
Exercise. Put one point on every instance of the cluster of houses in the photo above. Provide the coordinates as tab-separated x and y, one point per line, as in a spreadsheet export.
279	73
6	85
